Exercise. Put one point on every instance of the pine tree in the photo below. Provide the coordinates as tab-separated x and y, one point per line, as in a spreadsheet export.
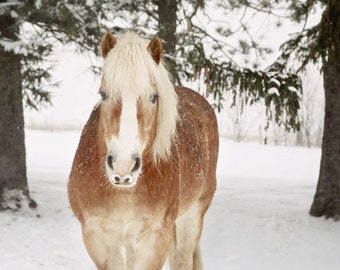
13	182
327	47
320	43
28	31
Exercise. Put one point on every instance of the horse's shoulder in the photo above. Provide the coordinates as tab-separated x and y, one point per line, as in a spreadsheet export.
185	93
88	135
93	121
193	105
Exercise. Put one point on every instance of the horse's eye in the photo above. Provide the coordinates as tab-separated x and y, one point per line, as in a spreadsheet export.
154	98
103	95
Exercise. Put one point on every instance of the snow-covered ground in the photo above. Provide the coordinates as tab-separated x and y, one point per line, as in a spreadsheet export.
258	220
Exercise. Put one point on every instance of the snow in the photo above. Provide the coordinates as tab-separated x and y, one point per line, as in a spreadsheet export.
273	91
276	81
258	219
292	89
9	45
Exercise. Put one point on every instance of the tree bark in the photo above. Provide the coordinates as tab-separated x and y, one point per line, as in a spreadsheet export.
167	23
327	198
13	179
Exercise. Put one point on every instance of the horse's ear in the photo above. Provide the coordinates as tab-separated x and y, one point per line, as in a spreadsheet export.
107	43
155	48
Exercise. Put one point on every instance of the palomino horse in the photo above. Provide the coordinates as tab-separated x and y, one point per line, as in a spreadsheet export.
144	173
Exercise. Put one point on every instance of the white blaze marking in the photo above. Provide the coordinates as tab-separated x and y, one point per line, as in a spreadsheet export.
128	141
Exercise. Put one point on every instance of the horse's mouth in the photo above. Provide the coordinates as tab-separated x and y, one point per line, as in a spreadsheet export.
123	182
124	186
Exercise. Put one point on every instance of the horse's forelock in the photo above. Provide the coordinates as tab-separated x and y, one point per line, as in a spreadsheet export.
129	69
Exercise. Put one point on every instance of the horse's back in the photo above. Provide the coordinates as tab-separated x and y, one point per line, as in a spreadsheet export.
198	142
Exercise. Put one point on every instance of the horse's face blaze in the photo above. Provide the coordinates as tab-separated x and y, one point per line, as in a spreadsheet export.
129	125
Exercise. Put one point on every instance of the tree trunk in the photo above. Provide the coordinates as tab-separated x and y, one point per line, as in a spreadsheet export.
327	198
167	23
13	179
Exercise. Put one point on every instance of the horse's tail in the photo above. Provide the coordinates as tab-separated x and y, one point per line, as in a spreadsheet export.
198	265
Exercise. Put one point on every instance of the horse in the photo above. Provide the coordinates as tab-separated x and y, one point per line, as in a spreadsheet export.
144	172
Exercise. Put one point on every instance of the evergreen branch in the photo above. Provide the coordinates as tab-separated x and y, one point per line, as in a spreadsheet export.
217	42
304	46
280	92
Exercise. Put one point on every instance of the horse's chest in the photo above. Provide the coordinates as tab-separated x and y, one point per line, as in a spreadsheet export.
128	228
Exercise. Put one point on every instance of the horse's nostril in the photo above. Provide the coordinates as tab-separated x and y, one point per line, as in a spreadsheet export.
117	179
110	161
137	164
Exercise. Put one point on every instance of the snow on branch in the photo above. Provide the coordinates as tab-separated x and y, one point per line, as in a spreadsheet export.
280	91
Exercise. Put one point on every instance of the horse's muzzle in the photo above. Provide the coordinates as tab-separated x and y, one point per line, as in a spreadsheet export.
123	173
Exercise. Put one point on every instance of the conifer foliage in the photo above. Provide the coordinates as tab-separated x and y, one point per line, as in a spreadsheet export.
28	32
41	25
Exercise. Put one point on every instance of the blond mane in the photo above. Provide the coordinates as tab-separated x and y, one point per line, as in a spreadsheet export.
129	67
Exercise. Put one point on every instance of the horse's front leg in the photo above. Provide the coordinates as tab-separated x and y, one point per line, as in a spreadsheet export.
149	250
102	246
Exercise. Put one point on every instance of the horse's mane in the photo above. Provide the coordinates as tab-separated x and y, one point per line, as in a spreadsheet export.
129	67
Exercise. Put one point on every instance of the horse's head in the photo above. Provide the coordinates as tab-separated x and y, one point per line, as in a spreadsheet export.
138	111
